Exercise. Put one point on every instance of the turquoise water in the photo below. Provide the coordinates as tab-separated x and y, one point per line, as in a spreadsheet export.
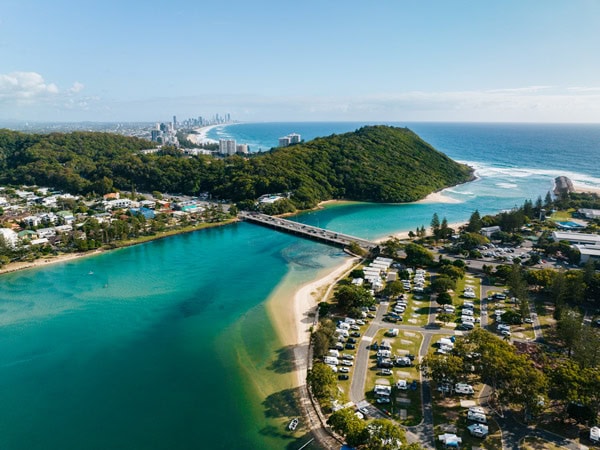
144	353
168	345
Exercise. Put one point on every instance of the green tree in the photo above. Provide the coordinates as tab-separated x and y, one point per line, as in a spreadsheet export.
346	423
393	288
417	255
444	298
323	383
385	435
352	296
443	283
474	225
443	368
435	225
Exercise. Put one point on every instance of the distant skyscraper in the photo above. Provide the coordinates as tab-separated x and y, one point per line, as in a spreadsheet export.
174	122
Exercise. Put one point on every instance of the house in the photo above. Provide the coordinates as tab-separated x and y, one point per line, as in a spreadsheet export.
46	232
488	231
65	217
41	241
148	214
9	236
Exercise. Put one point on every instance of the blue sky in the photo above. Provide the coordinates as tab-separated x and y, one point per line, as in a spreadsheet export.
393	60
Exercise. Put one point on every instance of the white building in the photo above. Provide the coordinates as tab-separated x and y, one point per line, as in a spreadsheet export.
588	252
118	203
9	236
488	231
576	238
227	146
292	138
590	213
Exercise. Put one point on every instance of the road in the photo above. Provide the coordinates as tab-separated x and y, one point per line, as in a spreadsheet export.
422	433
512	430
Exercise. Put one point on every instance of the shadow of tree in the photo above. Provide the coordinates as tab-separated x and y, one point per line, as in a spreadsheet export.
284	360
284	403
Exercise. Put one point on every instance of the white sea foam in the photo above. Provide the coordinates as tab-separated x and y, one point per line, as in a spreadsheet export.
489	171
507	185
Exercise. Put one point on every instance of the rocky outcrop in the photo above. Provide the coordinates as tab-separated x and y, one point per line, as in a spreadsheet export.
563	185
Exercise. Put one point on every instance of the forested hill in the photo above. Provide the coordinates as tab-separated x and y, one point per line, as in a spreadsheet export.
374	163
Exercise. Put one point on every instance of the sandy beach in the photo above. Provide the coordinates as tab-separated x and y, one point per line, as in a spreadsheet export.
438	197
22	265
581	188
292	313
200	137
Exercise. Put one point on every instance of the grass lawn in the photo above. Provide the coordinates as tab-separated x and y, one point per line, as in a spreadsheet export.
406	342
449	416
562	216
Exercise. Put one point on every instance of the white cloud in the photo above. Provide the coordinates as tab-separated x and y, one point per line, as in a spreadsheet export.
77	87
25	86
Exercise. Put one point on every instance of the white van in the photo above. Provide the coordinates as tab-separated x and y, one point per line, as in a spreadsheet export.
463	388
476	417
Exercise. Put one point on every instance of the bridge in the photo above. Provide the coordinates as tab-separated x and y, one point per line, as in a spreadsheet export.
307	231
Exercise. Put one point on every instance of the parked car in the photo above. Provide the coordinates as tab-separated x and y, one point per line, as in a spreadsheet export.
355	334
374	346
383	400
344	369
528	320
343	377
386	372
350	346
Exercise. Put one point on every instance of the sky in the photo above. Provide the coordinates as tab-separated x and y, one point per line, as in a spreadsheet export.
326	60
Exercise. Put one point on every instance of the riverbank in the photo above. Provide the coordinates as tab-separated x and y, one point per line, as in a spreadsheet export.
292	311
64	257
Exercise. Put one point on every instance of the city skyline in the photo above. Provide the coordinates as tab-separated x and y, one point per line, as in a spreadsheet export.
266	61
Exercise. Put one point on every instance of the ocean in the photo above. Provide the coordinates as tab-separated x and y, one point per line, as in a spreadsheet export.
168	345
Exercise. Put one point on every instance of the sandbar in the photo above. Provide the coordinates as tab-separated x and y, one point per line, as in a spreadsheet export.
292	312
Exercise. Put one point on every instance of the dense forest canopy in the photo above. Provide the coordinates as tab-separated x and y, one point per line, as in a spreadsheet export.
374	163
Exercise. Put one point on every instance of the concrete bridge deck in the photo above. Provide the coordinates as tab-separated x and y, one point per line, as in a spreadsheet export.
307	231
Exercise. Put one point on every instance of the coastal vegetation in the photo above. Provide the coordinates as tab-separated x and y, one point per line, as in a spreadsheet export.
374	163
547	375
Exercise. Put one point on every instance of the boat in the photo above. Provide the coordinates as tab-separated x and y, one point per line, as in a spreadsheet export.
293	424
91	272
